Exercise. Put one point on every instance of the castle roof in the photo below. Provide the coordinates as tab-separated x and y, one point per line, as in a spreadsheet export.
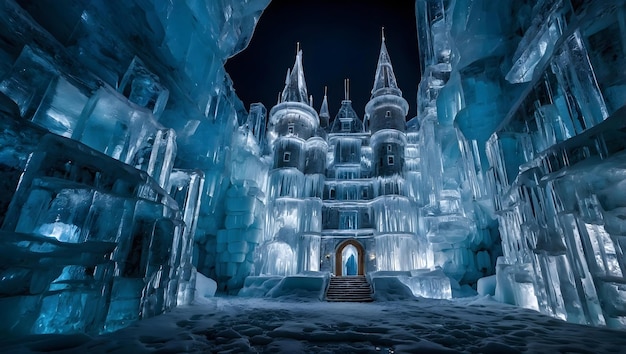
385	80
295	85
347	118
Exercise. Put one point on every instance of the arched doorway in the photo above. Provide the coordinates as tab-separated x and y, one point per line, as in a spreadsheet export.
350	258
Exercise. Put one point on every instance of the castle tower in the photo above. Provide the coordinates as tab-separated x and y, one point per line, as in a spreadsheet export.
296	181
292	121
396	222
386	112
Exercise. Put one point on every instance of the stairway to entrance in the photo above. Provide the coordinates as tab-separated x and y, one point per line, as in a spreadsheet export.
349	289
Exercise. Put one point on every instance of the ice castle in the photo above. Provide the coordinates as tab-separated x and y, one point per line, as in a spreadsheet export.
339	191
129	167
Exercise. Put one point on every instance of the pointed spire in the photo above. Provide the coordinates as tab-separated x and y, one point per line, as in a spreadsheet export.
324	112
385	80
324	109
295	85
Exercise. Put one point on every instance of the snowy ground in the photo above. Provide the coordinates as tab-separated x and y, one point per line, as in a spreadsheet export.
241	325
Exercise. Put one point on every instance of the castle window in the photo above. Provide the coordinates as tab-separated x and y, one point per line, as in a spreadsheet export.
390	160
389	148
364	193
286	156
290	128
332	193
345	126
387	114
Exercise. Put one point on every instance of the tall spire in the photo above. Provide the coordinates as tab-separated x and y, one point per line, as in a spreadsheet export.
295	86
385	80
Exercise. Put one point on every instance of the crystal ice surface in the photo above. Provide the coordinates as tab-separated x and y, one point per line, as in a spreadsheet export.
100	223
128	164
539	124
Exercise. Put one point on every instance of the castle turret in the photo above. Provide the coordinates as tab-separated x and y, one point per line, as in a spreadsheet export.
292	121
386	108
386	112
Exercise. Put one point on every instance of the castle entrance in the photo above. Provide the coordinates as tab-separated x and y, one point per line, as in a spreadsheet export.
350	258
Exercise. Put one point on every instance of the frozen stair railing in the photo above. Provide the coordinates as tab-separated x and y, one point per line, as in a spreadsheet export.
349	289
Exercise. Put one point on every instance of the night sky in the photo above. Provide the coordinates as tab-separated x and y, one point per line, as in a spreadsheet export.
339	39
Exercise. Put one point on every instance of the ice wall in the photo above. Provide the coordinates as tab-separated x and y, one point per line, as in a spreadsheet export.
445	162
534	93
563	189
117	119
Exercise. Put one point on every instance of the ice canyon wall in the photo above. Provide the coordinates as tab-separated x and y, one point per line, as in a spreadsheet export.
535	91
117	118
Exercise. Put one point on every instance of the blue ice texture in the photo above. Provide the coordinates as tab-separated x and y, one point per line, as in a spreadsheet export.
128	165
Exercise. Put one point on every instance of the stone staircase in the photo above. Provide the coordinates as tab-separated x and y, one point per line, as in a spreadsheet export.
349	289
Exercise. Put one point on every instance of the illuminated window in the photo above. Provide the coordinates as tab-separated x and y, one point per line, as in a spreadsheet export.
290	128
286	156
390	160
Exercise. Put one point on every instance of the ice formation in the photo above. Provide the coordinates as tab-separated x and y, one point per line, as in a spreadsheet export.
537	109
128	164
116	120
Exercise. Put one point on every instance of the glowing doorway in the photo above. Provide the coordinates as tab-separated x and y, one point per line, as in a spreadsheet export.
349	259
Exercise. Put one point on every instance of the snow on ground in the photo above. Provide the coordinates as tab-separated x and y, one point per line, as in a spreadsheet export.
245	325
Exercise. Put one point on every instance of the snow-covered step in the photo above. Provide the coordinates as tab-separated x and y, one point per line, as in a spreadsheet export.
349	289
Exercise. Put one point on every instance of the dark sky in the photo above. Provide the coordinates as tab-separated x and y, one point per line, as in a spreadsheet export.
339	39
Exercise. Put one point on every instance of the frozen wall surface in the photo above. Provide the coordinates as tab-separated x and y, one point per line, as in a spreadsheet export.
116	120
535	93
